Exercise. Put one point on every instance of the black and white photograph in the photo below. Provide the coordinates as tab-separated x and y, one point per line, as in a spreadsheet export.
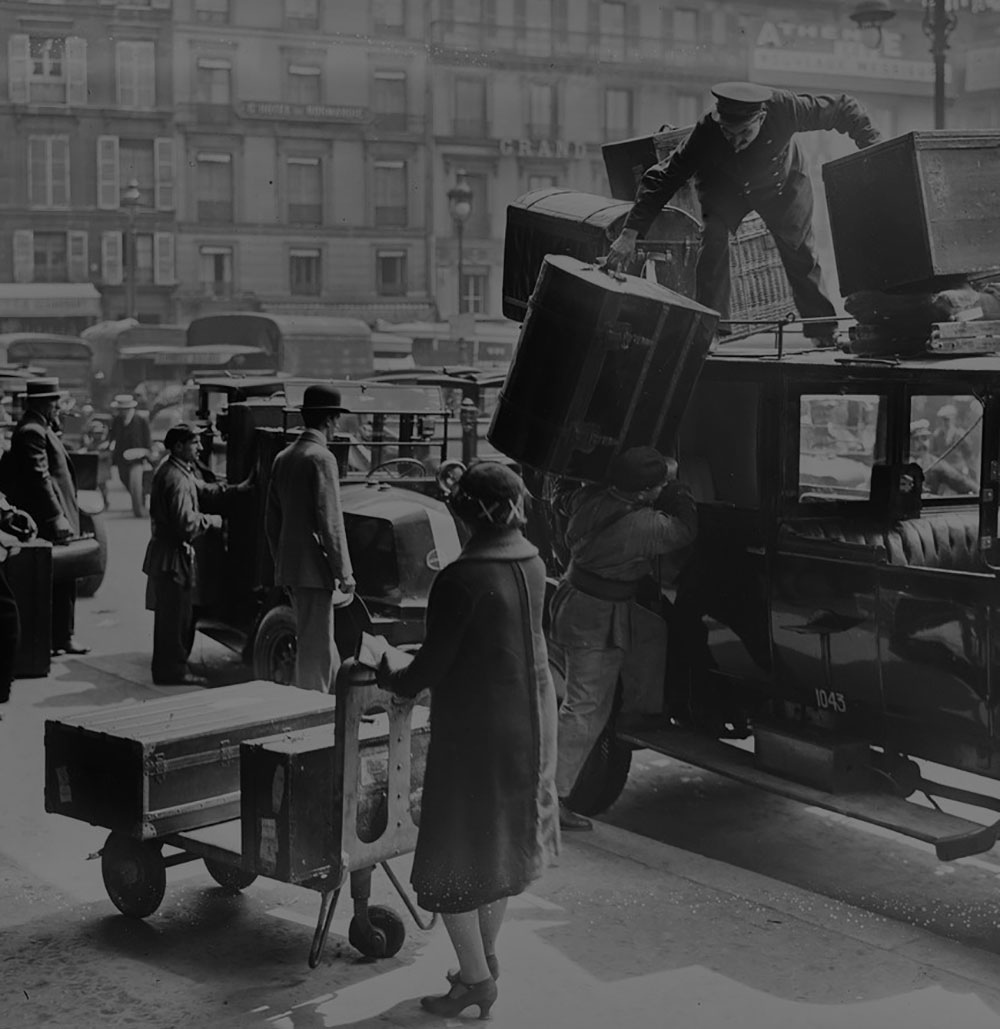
499	514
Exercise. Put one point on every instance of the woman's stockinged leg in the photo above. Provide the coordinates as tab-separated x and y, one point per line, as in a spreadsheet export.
491	917
464	932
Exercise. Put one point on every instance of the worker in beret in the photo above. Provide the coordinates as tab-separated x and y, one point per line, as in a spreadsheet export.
743	157
304	524
613	535
176	521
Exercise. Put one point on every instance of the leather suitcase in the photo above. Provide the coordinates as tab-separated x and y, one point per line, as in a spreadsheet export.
29	573
582	225
604	362
626	161
163	766
911	211
291	829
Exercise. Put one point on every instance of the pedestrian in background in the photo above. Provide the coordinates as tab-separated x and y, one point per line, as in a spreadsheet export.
613	535
130	440
15	527
304	525
176	521
38	477
489	813
744	157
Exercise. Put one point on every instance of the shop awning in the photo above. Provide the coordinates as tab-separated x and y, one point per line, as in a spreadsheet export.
49	300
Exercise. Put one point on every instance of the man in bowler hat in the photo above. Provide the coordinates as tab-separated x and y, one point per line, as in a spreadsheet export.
305	532
744	157
40	479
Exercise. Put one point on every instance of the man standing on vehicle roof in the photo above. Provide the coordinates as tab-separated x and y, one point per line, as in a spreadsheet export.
612	536
744	157
39	477
176	521
305	532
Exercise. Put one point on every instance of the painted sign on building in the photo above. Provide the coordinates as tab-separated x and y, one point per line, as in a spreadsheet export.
306	112
542	148
829	50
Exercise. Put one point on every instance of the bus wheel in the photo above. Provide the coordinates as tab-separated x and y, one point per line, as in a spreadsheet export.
603	776
275	646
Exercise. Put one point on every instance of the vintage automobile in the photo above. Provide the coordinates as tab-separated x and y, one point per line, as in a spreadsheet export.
399	529
842	604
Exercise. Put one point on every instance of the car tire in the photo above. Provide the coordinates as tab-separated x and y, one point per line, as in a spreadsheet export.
90	584
275	645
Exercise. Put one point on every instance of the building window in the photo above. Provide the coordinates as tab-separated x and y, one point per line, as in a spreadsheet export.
389	17
215	12
617	113
51	257
305	191
305	84
542	121
543	181
389	100
390	273
611	20
472	292
215	271
135	65
47	70
48	171
390	193
144	258
302	14
470	108
136	161
685	23
304	273
213	85
215	188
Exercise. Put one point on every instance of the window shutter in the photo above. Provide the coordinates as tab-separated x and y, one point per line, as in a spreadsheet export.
59	165
17	68
111	258
79	270
76	71
163	263
108	173
24	255
164	163
38	171
125	73
146	76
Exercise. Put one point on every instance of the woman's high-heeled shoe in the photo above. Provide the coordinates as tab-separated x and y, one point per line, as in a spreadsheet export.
455	975
462	996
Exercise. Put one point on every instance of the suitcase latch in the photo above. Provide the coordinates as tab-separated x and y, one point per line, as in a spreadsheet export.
156	767
623	338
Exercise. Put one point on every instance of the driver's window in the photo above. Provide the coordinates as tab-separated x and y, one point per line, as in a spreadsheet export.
946	440
840	437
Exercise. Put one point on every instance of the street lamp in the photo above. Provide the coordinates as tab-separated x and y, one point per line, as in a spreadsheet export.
939	22
460	207
130	200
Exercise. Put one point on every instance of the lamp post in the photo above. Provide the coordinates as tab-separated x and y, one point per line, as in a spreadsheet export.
460	207
130	199
938	24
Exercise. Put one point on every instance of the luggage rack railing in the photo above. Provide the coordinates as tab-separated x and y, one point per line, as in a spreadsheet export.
778	326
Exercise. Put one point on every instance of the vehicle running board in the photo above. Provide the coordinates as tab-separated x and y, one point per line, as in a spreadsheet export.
952	837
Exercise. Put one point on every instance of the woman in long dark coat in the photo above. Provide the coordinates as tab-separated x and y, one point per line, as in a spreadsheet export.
489	815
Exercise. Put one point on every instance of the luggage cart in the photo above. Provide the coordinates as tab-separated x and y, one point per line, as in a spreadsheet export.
290	835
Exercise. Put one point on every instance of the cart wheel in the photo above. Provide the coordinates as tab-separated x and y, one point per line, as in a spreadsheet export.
385	937
228	876
275	645
603	776
135	875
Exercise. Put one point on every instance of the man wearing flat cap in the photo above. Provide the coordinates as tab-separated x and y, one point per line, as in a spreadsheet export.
613	535
176	521
304	524
39	478
743	157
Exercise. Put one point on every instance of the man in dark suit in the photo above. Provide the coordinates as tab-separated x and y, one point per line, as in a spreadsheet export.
305	531
743	157
15	527
40	480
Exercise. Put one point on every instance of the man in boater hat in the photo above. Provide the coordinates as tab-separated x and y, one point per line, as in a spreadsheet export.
743	157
